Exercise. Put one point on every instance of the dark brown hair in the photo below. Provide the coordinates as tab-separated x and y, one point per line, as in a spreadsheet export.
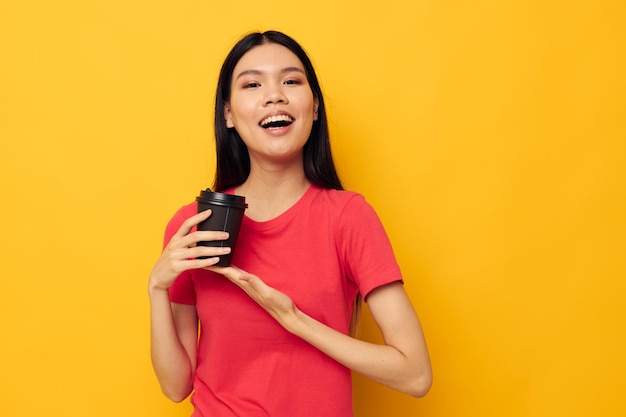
233	160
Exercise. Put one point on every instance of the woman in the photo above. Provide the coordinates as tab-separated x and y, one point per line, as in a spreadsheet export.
274	336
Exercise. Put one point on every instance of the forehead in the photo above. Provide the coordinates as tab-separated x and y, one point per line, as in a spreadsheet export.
267	58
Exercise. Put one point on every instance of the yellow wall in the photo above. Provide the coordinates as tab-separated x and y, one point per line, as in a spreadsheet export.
489	135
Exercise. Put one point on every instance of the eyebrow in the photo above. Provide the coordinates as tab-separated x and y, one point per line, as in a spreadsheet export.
259	72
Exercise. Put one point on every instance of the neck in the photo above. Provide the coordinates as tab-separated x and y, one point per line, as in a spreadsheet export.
270	190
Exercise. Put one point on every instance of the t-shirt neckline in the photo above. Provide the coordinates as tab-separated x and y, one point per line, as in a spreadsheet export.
285	216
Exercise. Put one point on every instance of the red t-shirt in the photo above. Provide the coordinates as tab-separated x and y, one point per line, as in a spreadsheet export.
321	252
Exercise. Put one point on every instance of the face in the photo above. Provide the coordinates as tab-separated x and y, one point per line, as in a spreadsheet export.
271	106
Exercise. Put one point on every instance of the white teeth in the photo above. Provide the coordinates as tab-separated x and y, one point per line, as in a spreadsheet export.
279	118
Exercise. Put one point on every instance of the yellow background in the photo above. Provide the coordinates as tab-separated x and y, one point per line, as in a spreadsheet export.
489	135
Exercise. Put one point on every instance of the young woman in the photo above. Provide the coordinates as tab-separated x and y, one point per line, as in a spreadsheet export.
270	335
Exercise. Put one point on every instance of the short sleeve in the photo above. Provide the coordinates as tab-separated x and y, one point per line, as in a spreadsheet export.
182	291
365	247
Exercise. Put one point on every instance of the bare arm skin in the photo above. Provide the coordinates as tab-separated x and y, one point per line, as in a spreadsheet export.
174	332
174	327
401	363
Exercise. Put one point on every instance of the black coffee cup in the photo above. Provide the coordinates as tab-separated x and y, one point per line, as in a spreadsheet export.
227	215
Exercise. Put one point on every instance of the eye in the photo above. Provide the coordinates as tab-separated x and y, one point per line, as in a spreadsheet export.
292	81
251	84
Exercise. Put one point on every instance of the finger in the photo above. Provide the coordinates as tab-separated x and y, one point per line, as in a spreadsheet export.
254	283
231	272
206	251
199	263
208	235
249	281
192	221
260	292
191	239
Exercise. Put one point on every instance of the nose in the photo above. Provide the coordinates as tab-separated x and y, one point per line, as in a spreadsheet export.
275	95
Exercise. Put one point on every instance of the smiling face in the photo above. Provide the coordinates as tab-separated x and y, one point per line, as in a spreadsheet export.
271	104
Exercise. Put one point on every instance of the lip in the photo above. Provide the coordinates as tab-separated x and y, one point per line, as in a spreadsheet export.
277	113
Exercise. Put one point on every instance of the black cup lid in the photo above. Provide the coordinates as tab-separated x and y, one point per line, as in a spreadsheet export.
222	199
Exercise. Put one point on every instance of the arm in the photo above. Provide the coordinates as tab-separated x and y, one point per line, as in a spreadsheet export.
173	338
402	363
174	327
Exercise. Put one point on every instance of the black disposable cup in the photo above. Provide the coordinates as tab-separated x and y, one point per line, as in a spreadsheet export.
227	215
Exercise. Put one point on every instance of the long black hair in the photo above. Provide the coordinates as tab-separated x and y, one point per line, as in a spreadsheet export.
233	159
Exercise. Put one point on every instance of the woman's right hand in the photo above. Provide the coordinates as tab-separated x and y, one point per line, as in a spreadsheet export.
182	252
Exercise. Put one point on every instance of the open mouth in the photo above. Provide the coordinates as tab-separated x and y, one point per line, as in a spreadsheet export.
275	122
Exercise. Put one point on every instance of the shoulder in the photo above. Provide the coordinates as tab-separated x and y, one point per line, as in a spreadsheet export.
349	209
341	200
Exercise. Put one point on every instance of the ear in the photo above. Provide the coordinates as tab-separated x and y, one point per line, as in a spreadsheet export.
316	105
228	116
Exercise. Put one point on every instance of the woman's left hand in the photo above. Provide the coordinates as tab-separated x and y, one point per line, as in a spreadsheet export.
276	303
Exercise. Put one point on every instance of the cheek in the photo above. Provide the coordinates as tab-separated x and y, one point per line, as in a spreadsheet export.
242	99
242	113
